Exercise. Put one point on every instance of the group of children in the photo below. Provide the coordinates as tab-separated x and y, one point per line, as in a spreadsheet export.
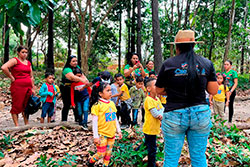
109	103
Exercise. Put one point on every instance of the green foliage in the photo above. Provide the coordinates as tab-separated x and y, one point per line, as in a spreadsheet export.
44	162
220	133
5	141
131	150
1	154
68	159
244	82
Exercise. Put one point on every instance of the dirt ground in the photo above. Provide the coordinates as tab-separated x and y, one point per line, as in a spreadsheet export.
241	114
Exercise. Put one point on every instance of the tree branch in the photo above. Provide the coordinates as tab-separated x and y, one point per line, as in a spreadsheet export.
74	11
98	27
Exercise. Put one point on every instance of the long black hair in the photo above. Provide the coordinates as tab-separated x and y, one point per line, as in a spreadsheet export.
68	61
129	56
97	88
192	60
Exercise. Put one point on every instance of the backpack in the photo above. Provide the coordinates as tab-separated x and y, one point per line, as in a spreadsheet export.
33	105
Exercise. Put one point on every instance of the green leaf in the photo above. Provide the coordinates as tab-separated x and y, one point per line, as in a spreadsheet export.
1	19
1	154
26	2
35	14
11	4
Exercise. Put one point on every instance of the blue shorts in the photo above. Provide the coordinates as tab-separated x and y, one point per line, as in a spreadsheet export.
47	108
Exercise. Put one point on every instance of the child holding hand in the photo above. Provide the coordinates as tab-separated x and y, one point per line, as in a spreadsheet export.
105	123
153	116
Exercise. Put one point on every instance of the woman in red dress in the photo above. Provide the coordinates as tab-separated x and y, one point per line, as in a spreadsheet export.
19	70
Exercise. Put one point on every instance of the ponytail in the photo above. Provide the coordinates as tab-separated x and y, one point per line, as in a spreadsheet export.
97	88
191	60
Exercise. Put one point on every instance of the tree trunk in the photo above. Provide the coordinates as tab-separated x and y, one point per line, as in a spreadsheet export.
37	55
187	13
6	39
195	13
69	33
171	28
50	55
156	36
229	34
179	11
133	27
213	35
244	40
129	26
139	25
29	46
120	39
79	60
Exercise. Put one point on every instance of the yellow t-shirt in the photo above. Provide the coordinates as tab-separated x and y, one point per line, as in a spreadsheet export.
151	125
163	99
221	94
125	95
57	89
106	112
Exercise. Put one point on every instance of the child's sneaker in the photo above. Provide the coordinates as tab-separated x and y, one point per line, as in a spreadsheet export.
85	127
123	126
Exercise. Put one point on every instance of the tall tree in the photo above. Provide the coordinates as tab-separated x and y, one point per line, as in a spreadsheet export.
213	34
179	12
133	26
50	55
231	20
69	33
156	35
6	39
120	40
86	42
29	45
244	39
187	13
129	25
171	28
139	25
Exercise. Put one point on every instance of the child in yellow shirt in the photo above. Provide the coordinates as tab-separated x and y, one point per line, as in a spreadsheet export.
153	116
126	101
105	123
218	100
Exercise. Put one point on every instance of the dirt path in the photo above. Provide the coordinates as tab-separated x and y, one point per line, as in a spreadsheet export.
242	113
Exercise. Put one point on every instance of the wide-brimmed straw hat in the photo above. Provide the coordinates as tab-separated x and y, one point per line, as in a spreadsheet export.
185	36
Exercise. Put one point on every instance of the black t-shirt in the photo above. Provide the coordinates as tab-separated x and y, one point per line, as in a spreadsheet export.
96	80
173	77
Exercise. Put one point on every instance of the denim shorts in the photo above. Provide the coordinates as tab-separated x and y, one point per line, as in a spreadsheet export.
47	108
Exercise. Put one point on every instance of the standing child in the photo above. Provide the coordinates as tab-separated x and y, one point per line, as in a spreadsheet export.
125	101
218	100
137	96
115	89
80	99
105	123
53	118
153	116
48	97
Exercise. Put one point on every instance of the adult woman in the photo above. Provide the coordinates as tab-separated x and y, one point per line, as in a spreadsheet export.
67	78
19	70
133	68
232	82
149	67
184	78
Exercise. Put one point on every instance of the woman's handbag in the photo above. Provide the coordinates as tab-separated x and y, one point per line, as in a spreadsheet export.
33	105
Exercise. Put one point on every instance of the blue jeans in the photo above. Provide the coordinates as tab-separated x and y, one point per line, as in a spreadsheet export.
135	114
47	108
194	123
150	141
83	108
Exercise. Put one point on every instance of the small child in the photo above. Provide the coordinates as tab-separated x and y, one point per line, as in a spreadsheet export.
80	96
105	123
137	96
218	100
115	89
125	102
103	76
48	97
153	116
152	75
53	118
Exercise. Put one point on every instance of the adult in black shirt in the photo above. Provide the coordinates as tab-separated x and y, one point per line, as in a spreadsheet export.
184	79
